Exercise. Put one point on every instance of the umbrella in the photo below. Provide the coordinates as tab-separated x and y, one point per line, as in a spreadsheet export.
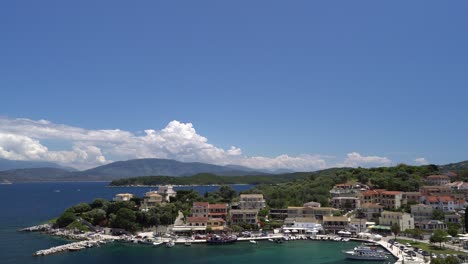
347	233
294	231
287	231
314	231
309	231
341	232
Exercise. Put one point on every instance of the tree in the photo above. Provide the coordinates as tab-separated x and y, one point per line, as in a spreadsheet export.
81	208
395	229
227	193
95	216
453	229
65	219
438	215
126	219
99	203
438	236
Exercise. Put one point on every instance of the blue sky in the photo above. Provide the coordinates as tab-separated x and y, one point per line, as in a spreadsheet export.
325	78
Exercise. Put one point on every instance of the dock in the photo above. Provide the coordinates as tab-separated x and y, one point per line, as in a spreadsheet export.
75	246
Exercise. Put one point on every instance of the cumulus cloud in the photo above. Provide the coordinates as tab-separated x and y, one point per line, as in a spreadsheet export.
355	159
23	139
421	161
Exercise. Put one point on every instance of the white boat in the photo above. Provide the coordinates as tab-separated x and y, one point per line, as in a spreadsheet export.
253	242
170	243
157	243
366	253
271	240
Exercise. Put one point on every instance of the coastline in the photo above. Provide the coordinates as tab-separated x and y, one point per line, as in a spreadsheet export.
173	185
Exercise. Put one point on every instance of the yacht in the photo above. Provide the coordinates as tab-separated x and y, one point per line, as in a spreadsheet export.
170	243
366	253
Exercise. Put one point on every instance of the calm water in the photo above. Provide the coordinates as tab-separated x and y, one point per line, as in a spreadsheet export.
29	204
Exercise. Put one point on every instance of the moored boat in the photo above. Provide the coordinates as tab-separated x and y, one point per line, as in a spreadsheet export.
366	253
219	240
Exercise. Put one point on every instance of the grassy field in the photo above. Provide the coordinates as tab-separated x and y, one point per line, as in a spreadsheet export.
430	248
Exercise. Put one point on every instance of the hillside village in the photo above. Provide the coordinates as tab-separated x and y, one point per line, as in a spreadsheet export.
355	208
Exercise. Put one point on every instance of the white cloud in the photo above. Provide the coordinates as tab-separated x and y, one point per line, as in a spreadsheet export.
421	161
20	139
355	159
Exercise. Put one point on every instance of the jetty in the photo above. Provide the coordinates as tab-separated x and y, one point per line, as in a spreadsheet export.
75	246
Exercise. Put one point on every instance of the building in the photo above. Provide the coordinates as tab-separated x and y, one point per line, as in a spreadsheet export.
312	204
123	197
346	203
411	197
372	210
314	212
431	225
443	203
421	212
251	201
404	220
388	199
458	186
197	221
281	213
437	180
150	200
167	192
302	224
346	190
200	209
333	224
452	218
216	224
243	216
358	225
217	211
435	190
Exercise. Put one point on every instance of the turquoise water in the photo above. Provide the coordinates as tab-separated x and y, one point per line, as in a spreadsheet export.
29	204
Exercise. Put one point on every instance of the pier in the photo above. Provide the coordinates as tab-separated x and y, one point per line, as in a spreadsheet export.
75	246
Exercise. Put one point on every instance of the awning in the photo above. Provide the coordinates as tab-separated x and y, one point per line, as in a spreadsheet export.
287	231
379	227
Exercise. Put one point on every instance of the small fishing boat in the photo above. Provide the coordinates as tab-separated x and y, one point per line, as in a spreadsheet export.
253	242
170	243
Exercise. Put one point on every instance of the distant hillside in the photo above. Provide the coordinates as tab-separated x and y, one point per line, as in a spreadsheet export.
207	179
456	167
147	167
34	175
6	164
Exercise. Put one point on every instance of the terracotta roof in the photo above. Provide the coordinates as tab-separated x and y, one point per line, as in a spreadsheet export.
391	192
369	193
194	219
446	199
217	206
432	199
201	204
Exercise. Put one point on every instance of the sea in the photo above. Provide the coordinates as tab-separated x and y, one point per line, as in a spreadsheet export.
27	204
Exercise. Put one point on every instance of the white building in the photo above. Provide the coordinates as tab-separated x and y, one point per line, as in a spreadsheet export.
123	197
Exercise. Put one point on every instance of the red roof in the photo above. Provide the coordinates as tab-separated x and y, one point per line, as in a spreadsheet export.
432	199
369	193
434	177
446	199
391	192
218	206
194	219
201	204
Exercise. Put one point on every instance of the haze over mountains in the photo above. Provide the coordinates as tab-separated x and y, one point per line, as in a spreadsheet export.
31	171
118	170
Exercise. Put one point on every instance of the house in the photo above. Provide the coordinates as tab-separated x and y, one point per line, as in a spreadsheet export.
371	210
167	192
442	203
123	197
452	218
200	209
216	224
435	190
346	203
150	200
315	212
404	220
302	224
251	201
280	213
437	180
411	197
358	225
388	199
431	225
197	221
334	224
346	190
217	211
421	212
240	216
458	185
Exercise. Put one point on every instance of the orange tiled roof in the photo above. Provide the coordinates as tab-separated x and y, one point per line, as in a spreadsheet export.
217	206
201	204
194	219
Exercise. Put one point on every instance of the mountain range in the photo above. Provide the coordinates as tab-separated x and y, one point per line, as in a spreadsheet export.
121	169
31	171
